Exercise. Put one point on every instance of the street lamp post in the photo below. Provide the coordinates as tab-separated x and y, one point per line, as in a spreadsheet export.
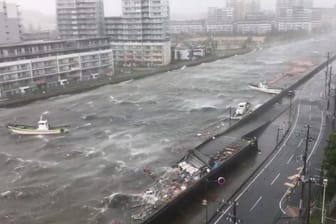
290	94
304	170
325	183
219	181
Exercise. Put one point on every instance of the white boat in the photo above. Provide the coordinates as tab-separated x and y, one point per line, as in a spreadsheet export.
42	128
243	109
263	87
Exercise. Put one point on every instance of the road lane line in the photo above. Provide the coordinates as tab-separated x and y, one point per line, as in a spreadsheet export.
290	159
276	154
300	143
319	136
267	165
280	202
318	139
255	204
275	179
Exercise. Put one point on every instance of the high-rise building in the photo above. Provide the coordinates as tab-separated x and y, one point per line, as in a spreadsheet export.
141	35
294	15
220	15
80	18
10	23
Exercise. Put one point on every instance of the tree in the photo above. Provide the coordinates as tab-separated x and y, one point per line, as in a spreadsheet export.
330	164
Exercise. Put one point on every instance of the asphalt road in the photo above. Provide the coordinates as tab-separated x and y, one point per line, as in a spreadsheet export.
264	197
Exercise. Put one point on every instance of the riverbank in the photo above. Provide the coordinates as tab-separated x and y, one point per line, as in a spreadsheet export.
83	86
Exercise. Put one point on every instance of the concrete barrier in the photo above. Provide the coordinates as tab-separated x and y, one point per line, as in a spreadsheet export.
82	86
266	106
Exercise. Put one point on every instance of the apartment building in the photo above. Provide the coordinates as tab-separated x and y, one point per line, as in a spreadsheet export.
39	49
10	23
187	26
80	18
19	77
220	15
257	27
143	27
294	15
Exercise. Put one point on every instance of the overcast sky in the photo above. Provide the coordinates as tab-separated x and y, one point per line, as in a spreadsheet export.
178	7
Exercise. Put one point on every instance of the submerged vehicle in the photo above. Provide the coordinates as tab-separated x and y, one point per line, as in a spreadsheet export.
187	178
243	109
263	87
42	128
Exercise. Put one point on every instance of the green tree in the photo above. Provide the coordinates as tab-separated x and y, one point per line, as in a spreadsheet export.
330	164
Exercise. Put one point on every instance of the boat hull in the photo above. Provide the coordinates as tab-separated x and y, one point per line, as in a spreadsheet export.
29	131
265	90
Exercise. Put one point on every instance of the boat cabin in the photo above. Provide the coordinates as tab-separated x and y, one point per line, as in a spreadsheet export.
43	125
263	85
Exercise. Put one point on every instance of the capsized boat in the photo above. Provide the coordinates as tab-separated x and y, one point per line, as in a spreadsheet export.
42	128
263	87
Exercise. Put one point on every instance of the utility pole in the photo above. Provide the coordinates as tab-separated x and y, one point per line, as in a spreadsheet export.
230	116
304	170
329	84
309	200
290	94
326	74
235	220
278	136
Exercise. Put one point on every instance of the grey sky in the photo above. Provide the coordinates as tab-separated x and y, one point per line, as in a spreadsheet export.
178	7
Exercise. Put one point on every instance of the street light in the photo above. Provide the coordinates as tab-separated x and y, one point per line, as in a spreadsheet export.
219	181
290	94
325	183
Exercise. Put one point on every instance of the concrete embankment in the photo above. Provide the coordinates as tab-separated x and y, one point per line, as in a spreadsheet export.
267	105
83	86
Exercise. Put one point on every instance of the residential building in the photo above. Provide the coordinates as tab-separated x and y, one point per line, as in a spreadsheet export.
19	77
184	53
39	49
10	23
220	28
294	15
258	27
143	27
144	54
220	15
187	26
80	18
38	35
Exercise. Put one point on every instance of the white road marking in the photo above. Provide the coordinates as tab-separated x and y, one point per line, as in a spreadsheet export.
255	204
280	202
316	143
319	136
276	155
265	167
275	179
290	159
300	143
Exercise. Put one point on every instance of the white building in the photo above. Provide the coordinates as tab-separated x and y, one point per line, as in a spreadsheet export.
10	23
142	54
254	27
143	29
80	18
219	28
220	15
187	26
27	75
294	15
